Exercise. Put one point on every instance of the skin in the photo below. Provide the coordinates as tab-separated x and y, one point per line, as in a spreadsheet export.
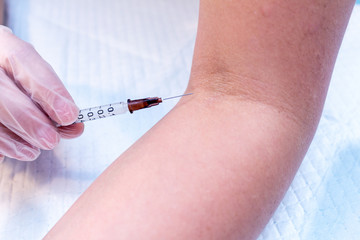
217	166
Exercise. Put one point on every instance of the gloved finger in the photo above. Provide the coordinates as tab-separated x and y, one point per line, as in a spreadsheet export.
21	116
71	131
4	28
13	146
36	77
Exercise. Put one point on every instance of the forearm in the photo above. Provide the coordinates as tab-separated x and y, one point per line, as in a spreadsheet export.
214	174
218	164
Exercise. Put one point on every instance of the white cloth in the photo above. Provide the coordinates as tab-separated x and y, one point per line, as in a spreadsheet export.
108	51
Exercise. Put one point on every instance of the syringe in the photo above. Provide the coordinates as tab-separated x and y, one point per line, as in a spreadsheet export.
114	109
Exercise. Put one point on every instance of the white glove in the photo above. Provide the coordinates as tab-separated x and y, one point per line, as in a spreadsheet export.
32	101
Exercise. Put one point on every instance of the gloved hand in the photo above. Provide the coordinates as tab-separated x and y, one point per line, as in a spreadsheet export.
32	101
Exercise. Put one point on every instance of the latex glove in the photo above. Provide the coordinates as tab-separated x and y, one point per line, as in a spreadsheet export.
32	101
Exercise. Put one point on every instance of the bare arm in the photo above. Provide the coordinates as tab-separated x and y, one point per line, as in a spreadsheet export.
219	163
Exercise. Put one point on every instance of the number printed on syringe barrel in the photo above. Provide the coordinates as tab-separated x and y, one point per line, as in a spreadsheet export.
104	111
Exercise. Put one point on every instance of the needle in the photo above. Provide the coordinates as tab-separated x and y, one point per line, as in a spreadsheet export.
177	96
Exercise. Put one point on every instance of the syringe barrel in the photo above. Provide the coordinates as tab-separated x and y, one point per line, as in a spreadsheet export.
104	111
